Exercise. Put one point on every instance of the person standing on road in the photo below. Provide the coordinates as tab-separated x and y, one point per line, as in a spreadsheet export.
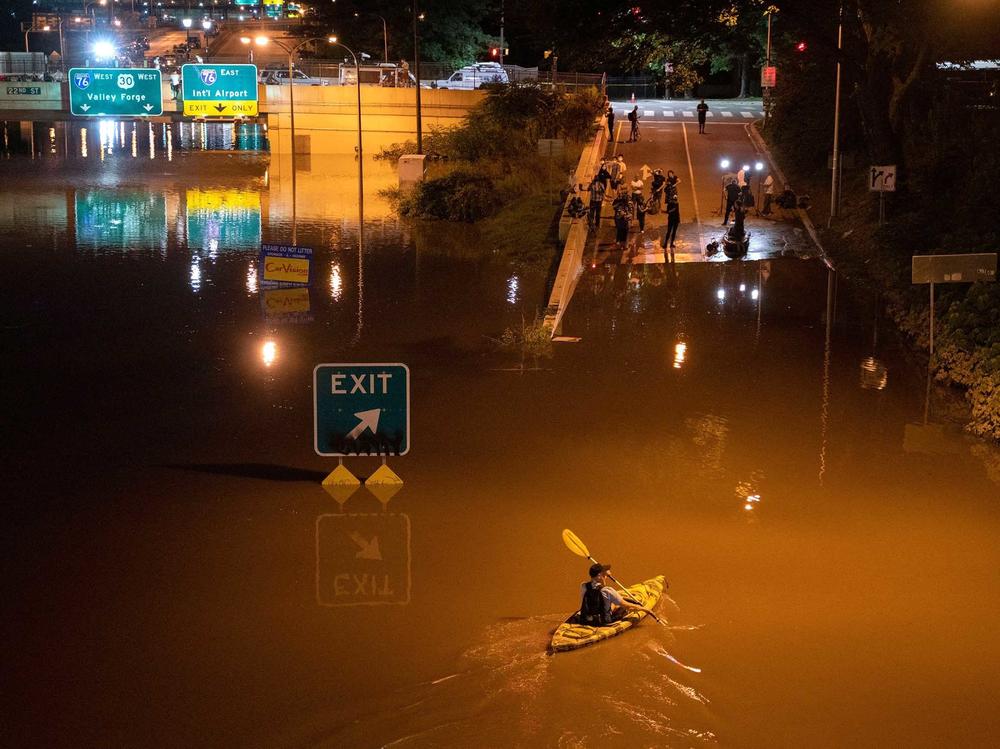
623	211
673	219
768	195
611	122
604	175
656	197
636	189
597	193
641	209
614	169
633	118
702	114
732	195
175	84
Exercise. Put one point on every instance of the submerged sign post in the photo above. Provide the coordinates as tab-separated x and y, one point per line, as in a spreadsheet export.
361	409
967	268
126	92
219	90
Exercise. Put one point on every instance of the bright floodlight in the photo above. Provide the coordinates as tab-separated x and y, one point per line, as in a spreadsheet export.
724	163
260	41
245	39
332	39
104	50
206	24
186	23
746	167
759	165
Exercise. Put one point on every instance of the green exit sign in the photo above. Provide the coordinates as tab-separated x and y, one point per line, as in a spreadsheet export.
125	92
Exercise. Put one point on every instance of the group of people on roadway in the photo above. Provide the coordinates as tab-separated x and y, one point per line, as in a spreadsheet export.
630	202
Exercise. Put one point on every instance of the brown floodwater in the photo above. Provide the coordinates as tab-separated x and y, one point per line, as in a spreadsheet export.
174	575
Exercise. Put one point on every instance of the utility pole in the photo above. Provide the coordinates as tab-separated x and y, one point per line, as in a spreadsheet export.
501	32
416	73
835	179
767	64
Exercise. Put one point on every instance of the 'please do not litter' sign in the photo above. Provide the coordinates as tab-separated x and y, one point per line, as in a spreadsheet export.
285	264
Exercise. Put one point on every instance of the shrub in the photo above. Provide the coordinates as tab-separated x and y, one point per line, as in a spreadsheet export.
458	196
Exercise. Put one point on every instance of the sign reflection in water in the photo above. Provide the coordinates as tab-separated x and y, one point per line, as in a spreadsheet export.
123	219
222	220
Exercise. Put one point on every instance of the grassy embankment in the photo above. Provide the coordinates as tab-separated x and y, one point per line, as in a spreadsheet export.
489	173
946	203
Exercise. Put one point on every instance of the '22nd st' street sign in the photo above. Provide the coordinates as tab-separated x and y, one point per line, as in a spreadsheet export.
361	409
219	90
126	92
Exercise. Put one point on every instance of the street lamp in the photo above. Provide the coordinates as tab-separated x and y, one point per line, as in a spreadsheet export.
385	34
417	17
835	179
361	171
262	41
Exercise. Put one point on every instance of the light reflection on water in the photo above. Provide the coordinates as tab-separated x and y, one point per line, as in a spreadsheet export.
127	139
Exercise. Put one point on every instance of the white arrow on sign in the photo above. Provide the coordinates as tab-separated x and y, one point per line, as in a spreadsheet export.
84	107
147	107
369	420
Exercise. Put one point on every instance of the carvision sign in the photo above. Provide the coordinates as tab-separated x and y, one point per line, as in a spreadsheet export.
285	264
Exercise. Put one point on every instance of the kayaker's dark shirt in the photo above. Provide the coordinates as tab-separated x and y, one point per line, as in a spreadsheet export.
609	593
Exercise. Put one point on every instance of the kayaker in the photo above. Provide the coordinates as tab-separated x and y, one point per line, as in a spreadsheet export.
601	604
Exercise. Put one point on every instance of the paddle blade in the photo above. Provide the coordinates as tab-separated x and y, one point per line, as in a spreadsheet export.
574	544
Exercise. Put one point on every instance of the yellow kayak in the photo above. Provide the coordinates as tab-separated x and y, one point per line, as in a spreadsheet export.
569	635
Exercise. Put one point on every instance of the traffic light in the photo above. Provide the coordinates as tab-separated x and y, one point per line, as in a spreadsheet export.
494	51
801	46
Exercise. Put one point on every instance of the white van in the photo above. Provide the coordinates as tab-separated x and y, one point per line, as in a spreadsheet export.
473	76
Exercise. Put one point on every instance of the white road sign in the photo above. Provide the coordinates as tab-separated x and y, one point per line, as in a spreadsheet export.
882	178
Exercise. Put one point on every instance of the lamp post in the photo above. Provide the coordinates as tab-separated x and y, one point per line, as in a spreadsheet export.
767	63
90	6
44	29
416	72
385	35
361	169
834	180
261	41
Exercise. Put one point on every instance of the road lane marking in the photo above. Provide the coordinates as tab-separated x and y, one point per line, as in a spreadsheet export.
727	114
747	114
689	114
694	192
668	113
710	114
648	113
618	131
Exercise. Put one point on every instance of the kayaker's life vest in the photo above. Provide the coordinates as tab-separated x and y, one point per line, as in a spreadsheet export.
595	610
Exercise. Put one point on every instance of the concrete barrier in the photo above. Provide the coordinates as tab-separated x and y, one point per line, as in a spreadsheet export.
30	96
326	117
573	232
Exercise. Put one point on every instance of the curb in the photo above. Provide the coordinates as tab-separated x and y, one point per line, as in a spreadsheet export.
761	145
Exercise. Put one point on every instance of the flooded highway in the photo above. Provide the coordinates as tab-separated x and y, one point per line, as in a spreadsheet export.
175	575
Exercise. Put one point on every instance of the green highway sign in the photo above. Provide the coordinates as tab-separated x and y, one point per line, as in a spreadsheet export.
361	409
219	90
125	92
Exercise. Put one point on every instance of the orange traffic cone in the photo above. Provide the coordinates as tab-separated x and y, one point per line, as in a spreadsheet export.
633	97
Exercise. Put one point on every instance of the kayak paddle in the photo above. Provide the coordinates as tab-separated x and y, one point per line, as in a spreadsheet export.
574	544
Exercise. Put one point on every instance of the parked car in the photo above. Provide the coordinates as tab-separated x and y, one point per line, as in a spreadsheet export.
473	76
279	77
